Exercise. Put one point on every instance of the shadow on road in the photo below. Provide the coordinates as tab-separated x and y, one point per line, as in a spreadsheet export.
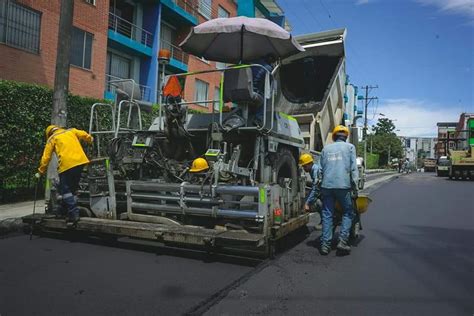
282	246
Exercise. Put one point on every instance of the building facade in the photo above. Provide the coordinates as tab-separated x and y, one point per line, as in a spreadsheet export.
418	148
29	40
114	40
446	138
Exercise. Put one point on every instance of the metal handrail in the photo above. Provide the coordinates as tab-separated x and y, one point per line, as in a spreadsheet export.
222	71
176	52
145	91
190	6
130	30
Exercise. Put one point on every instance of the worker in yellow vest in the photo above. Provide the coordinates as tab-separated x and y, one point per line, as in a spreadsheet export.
71	160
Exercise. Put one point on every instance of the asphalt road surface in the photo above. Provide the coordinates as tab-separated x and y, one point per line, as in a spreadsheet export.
416	257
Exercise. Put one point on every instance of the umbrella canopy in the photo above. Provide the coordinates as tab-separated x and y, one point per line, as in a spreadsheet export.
239	39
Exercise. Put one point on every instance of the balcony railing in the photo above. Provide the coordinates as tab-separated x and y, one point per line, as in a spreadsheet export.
176	52
130	30
190	6
145	91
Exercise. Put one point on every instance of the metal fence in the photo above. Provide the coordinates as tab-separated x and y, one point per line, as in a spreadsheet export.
190	6
176	52
130	30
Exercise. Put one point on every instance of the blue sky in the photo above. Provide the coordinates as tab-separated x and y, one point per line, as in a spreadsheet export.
419	52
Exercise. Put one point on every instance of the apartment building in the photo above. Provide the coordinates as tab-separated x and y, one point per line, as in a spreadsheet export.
29	37
117	39
446	138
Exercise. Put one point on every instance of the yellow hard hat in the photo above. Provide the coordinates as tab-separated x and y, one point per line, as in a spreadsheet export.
50	129
340	129
199	164
305	159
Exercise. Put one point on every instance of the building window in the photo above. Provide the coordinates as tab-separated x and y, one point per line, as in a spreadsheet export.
20	26
81	48
200	94
222	13
117	67
205	8
90	1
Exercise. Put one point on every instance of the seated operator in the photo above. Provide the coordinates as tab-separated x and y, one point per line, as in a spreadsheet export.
258	78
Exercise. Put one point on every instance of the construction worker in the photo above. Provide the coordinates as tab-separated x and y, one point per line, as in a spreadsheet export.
339	177
199	171
306	161
71	159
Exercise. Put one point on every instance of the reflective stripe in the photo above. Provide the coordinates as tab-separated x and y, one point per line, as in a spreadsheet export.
67	195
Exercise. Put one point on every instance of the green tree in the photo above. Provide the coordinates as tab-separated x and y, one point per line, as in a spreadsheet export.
384	126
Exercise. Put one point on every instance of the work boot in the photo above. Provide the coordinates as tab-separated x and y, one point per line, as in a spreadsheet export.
72	219
324	250
343	246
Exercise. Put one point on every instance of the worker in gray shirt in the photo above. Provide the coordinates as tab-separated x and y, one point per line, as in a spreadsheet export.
339	176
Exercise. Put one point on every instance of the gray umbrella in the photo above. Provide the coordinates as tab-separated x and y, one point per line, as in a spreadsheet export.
239	39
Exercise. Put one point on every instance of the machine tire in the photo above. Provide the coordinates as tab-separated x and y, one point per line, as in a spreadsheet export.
285	162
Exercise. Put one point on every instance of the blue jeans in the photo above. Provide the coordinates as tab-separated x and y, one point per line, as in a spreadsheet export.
68	185
343	196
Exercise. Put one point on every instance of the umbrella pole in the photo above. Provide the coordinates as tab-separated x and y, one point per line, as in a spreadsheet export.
242	44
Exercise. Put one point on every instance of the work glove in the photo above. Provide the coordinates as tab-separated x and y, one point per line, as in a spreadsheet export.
307	208
319	204
37	175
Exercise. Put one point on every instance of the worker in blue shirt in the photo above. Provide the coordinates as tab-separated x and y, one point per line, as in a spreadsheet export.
306	161
339	177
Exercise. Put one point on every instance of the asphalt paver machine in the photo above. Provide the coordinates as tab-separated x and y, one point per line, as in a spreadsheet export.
139	182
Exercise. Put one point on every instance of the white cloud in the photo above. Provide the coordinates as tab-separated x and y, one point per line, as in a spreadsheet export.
361	2
464	7
416	117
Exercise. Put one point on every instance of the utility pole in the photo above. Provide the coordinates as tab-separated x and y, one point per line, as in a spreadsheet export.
61	78
367	101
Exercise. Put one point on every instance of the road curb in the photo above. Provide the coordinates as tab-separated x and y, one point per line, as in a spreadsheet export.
11	225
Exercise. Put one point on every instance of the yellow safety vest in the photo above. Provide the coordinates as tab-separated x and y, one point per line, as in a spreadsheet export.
66	145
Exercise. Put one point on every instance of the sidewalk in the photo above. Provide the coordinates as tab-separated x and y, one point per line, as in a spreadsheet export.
16	210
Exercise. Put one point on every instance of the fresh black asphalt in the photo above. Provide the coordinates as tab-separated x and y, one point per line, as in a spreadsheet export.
416	257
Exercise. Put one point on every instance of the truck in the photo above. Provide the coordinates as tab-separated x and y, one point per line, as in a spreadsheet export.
138	184
429	164
462	161
442	166
316	89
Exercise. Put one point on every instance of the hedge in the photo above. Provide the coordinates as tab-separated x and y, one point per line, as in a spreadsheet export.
372	161
25	111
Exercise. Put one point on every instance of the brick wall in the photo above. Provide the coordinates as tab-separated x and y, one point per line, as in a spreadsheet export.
20	65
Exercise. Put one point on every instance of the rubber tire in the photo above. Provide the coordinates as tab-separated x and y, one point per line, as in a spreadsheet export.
286	160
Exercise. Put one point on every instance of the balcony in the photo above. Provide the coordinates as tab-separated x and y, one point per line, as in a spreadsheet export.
179	59
145	91
130	35
182	11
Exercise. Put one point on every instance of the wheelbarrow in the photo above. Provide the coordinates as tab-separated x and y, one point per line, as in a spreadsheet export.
361	205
